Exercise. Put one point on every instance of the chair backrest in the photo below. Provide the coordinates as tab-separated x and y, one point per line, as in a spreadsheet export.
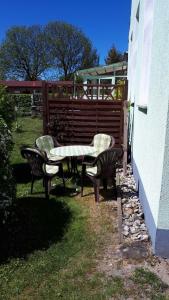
102	141
45	143
35	159
107	162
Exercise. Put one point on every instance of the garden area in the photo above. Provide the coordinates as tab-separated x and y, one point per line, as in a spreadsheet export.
50	249
64	247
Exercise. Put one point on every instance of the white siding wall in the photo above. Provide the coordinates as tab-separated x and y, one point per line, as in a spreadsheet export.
150	137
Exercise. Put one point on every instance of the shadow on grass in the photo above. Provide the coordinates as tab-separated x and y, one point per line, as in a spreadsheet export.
106	195
22	172
34	224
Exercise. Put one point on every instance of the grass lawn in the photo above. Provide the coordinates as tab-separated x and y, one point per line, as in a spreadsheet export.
52	249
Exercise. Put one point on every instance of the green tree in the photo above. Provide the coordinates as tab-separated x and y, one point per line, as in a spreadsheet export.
2	75
24	53
71	49
113	56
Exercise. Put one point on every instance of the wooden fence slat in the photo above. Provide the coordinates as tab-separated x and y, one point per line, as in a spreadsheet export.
86	117
114	131
78	120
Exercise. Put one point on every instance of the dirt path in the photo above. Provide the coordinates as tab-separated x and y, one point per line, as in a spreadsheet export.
122	259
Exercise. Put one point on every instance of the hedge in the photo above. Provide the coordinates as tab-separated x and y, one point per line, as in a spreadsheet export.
23	103
7	107
7	185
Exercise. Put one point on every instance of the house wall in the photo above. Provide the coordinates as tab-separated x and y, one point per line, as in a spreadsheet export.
150	141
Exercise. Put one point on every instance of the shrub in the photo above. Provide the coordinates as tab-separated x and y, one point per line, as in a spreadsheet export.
22	103
7	186
7	107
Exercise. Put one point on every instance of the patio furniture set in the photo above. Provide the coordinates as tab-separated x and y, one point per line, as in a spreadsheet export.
99	161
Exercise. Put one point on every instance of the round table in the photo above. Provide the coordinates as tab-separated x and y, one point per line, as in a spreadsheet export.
73	151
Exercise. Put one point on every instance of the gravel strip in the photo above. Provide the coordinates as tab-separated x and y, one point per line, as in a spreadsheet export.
133	225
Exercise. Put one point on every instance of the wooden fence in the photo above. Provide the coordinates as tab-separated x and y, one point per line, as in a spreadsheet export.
75	113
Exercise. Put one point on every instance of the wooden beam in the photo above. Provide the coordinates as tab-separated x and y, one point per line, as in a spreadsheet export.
45	109
125	110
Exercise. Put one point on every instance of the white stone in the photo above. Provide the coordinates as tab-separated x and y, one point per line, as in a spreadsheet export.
137	222
134	230
144	237
128	205
125	233
134	237
143	226
124	200
126	228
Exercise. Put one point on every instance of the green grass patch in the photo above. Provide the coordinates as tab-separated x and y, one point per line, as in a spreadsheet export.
30	129
150	283
49	248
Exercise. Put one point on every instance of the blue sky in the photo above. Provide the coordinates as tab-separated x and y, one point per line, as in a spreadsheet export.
104	22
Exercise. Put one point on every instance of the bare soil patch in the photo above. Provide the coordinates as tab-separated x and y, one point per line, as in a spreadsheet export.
116	259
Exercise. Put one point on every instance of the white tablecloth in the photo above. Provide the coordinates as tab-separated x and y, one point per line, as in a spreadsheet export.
75	150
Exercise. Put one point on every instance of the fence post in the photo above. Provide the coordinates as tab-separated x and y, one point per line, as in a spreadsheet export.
125	110
125	90
45	113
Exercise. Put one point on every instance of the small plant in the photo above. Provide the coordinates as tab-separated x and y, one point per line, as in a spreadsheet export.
18	126
18	123
59	127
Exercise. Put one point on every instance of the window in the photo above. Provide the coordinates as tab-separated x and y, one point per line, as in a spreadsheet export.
105	81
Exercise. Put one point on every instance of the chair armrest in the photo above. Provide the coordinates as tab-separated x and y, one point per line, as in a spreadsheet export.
90	164
85	164
53	163
111	146
44	155
48	161
112	142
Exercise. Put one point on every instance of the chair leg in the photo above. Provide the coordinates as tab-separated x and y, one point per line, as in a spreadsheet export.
96	189
49	185
114	185
82	178
105	184
114	182
81	187
33	179
46	188
62	174
68	164
72	165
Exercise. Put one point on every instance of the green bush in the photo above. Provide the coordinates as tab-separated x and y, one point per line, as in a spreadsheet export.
7	107
7	185
22	103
